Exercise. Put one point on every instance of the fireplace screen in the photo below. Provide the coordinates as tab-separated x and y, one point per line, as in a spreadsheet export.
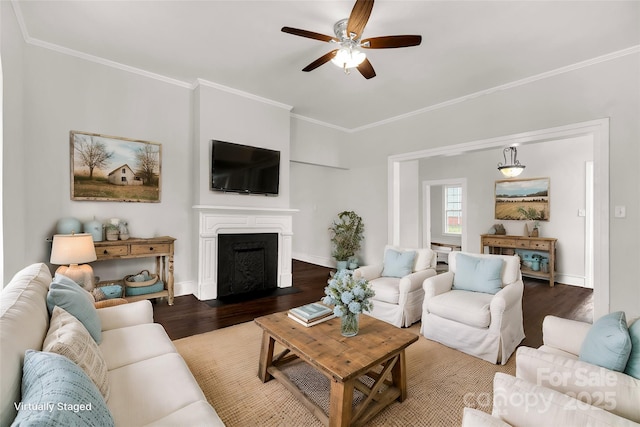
247	263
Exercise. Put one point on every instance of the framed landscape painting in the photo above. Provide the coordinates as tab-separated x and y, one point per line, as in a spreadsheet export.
522	199
111	168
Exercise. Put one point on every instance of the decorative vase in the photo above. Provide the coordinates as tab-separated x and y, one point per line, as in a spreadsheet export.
350	324
341	265
123	231
112	234
94	228
68	226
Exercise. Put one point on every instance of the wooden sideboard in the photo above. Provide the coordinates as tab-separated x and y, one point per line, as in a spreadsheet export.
498	243
159	247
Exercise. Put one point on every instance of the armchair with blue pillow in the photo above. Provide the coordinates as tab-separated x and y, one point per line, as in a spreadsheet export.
476	306
397	283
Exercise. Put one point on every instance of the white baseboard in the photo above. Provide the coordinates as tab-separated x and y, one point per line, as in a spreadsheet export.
314	259
569	279
185	288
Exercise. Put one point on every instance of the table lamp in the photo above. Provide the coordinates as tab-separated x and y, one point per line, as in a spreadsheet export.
74	249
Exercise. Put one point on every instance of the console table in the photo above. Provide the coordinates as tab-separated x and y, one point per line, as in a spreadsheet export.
158	247
497	243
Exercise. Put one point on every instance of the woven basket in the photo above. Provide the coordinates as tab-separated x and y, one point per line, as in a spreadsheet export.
128	280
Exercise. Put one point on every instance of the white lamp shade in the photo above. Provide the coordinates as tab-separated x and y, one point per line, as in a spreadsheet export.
72	249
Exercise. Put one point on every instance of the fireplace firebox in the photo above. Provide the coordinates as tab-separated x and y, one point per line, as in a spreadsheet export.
247	263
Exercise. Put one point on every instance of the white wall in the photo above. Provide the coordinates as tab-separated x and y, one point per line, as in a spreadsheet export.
63	93
230	117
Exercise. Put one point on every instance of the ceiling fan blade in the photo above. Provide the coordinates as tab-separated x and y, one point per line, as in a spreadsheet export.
366	69
388	42
359	17
308	34
322	60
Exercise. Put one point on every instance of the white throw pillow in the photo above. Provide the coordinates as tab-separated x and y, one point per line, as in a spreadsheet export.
68	337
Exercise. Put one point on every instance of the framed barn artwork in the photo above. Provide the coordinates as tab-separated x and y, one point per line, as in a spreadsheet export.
114	169
522	199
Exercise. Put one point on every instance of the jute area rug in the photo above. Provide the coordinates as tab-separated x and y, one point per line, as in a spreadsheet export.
442	381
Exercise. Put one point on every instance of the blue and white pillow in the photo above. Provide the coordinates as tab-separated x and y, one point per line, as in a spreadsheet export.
56	392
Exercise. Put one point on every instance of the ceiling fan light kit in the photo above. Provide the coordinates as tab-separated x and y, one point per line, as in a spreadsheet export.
348	35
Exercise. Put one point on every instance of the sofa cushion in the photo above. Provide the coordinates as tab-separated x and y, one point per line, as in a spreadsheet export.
607	343
523	404
152	389
191	415
633	365
386	289
478	274
69	338
397	263
612	391
24	321
56	392
132	344
470	308
476	418
67	294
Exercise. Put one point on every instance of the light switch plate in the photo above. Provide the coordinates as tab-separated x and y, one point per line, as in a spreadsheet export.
620	211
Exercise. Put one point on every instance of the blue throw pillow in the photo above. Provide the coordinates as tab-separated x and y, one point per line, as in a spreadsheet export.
478	274
398	264
67	294
56	392
633	365
607	343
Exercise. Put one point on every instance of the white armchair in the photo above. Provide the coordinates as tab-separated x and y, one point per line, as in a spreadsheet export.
485	325
398	300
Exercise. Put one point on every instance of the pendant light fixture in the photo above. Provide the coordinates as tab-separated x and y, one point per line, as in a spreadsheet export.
513	168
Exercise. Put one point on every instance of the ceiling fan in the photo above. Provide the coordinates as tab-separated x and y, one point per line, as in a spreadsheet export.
348	33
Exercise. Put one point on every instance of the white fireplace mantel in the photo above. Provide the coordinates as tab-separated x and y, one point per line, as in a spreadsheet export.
216	220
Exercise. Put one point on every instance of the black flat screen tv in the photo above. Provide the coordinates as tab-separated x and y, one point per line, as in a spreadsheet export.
244	169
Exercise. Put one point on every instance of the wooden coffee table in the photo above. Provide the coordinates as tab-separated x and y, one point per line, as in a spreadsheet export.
377	352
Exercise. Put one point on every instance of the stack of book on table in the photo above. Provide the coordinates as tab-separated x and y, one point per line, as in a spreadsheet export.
311	314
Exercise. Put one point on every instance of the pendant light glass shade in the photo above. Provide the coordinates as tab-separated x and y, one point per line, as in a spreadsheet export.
513	168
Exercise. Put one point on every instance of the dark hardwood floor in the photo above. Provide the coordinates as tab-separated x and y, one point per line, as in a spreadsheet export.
189	316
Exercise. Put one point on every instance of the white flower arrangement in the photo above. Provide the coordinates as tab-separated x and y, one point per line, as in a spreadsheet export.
348	295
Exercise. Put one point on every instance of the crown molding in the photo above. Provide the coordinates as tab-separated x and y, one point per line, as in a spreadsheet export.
203	82
321	123
558	71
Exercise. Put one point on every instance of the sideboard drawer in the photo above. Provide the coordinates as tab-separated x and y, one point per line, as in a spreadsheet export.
540	245
149	249
111	251
496	241
522	244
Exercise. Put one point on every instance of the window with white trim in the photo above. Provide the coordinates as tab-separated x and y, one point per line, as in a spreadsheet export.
452	209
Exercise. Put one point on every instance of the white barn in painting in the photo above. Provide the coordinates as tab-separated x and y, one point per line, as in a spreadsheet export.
124	175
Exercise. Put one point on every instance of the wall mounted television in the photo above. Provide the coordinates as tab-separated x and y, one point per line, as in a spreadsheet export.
244	169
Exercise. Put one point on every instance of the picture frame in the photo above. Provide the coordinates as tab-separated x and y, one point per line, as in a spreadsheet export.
522	199
112	168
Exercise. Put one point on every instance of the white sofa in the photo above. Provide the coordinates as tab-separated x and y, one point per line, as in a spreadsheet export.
553	387
150	384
